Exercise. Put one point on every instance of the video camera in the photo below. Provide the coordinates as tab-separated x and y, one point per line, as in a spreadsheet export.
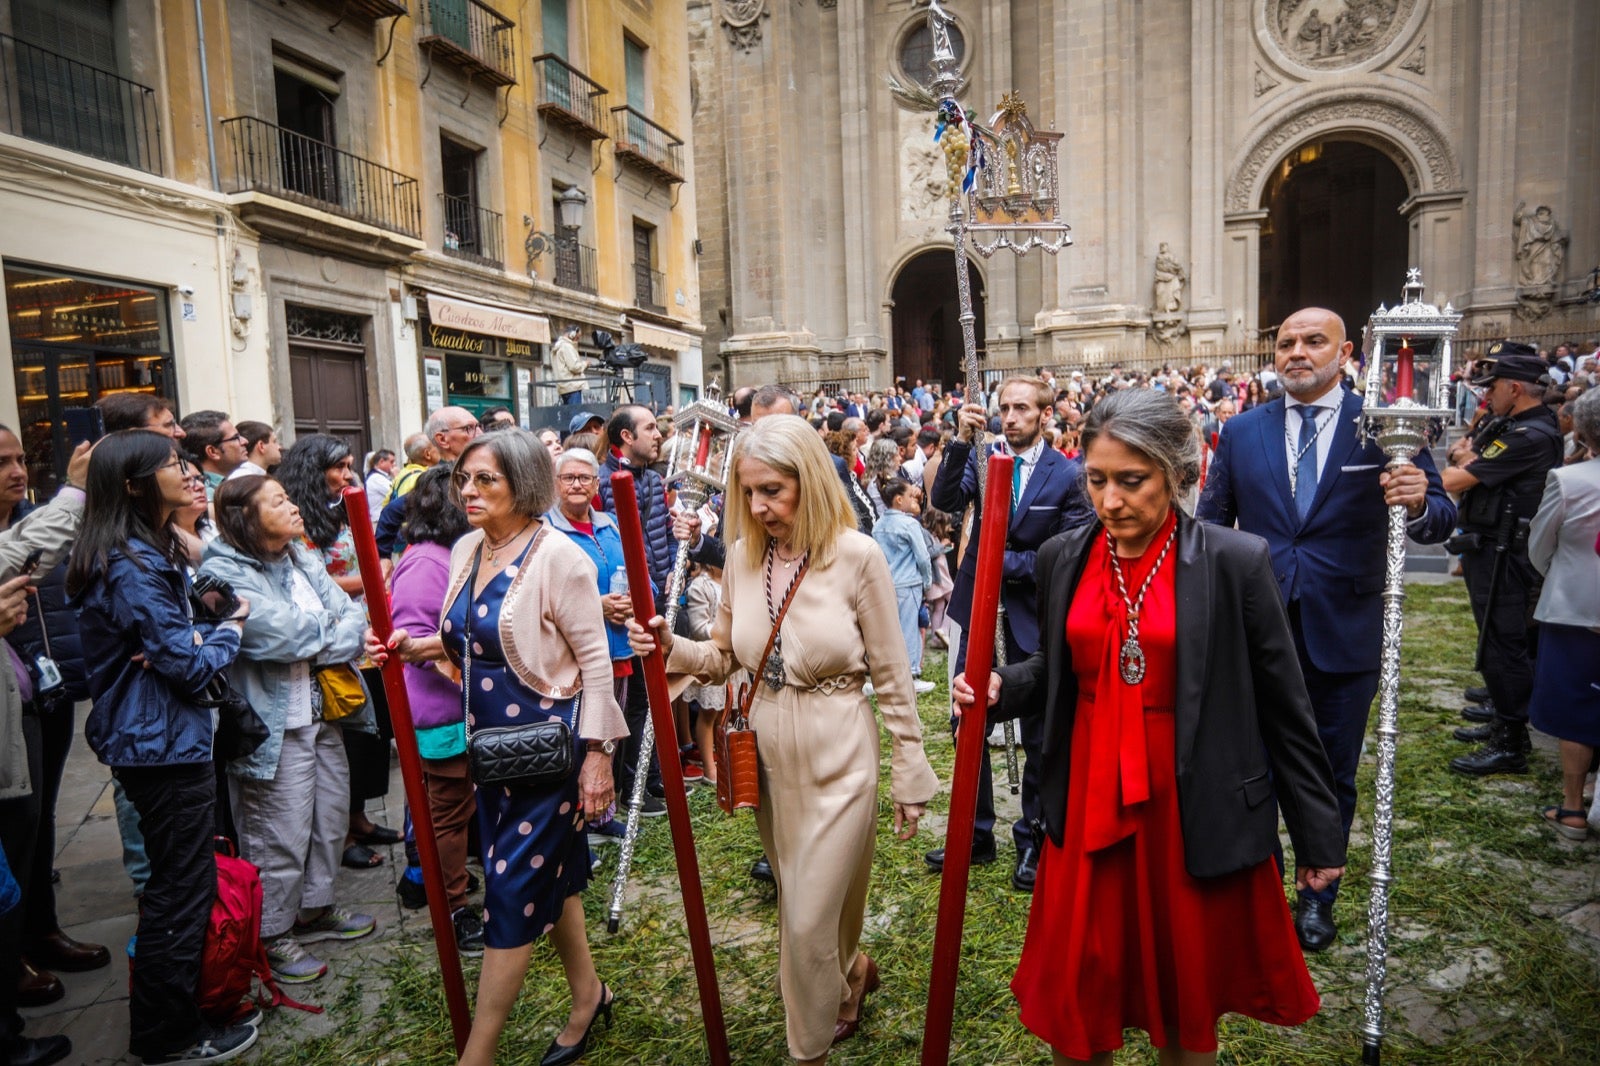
618	356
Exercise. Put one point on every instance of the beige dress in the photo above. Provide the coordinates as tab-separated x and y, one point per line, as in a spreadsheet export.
818	741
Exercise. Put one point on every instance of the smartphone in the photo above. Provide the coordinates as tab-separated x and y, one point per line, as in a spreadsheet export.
31	563
83	424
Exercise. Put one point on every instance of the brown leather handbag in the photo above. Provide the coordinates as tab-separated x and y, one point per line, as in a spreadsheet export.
733	742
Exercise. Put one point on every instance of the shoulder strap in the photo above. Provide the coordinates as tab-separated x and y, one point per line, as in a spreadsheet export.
772	639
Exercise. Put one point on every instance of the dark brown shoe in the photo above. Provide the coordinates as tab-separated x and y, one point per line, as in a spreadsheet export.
38	988
58	951
845	1028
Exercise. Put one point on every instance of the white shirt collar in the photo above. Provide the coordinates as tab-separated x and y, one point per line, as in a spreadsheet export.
1030	457
1331	400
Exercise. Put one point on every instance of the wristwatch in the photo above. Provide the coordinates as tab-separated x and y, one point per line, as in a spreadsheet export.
609	747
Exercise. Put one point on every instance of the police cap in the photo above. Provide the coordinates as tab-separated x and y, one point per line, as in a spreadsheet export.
1511	360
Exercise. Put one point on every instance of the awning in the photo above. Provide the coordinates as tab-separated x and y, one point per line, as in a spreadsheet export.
494	321
670	340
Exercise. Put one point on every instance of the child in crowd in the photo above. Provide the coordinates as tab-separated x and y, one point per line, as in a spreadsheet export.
705	701
900	535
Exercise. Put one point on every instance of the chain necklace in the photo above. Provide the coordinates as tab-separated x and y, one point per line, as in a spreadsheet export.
787	563
1131	659
493	548
773	673
1300	453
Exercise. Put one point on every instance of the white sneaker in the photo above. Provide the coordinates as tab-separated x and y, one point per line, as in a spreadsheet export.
922	686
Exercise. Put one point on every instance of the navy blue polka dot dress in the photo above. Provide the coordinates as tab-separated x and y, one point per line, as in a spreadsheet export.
535	851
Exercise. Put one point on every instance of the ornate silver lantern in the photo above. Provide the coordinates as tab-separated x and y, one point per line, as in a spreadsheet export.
1405	408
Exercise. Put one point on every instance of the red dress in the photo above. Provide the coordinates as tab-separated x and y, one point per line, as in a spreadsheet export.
1120	935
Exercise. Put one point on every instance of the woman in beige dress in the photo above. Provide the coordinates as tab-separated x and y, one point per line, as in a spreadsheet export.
818	739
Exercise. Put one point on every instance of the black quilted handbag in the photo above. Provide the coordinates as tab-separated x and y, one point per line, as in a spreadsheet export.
535	756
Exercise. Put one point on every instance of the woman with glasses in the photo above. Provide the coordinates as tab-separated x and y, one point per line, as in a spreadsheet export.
148	659
523	622
315	472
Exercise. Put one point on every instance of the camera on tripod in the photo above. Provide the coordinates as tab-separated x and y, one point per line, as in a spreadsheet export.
618	356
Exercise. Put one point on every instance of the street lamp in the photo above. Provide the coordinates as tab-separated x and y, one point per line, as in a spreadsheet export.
569	211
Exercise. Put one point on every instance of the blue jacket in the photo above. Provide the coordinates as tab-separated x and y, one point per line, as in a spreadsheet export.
1052	502
1333	562
604	548
660	547
900	537
143	714
279	633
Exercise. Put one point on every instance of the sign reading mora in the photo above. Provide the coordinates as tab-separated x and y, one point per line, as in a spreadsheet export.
492	321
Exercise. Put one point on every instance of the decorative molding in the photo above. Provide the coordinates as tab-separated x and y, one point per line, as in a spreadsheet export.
1263	82
741	21
1417	61
1387	124
1335	34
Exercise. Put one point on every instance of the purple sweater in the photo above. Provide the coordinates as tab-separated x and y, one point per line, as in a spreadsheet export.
418	586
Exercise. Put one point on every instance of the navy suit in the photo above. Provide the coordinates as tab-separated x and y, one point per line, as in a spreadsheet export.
1052	502
1329	568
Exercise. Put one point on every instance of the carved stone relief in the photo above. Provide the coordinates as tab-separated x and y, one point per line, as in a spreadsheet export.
922	179
1541	251
1263	82
1417	61
1329	34
741	21
1166	305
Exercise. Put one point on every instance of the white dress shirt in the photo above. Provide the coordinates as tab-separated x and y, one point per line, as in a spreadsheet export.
1327	413
1029	459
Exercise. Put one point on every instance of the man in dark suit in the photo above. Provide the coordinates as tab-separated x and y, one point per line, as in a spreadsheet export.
1294	472
1047	498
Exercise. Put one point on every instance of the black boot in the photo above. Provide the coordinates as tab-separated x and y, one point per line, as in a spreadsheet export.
1476	694
1479	712
1475	734
1505	753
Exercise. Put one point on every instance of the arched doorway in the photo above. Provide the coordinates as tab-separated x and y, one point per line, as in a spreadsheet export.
927	318
1333	236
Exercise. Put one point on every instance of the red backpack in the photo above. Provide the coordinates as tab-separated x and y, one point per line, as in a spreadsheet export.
234	956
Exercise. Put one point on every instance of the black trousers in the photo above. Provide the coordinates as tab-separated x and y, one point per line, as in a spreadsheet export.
636	711
175	805
1030	731
1508	649
19	834
39	895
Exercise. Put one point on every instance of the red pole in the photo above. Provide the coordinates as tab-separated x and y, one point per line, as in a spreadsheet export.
969	749
655	678
405	738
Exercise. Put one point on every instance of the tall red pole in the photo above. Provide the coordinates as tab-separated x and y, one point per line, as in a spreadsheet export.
969	750
655	679
405	738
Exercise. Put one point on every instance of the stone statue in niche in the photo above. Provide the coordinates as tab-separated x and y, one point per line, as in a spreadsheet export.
923	180
1330	33
1541	251
1170	280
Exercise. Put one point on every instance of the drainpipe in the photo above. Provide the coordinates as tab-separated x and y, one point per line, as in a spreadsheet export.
205	97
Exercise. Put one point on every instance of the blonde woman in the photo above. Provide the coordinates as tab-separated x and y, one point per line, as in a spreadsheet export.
789	527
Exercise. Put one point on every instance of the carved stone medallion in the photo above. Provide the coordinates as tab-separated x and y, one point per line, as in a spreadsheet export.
741	21
1331	34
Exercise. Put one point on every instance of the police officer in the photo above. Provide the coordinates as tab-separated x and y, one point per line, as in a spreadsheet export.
1499	473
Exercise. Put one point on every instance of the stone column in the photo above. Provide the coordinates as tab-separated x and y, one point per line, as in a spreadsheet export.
1494	183
1436	226
1208	177
1241	270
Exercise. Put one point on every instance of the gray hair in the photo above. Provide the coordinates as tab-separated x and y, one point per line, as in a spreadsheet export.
439	421
530	473
417	446
1152	424
581	455
1586	417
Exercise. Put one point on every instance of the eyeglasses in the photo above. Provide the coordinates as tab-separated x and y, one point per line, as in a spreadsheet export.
465	427
229	440
484	479
575	479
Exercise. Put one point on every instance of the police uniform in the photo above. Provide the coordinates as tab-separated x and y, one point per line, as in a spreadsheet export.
1514	455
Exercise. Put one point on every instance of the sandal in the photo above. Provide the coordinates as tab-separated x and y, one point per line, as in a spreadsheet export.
380	835
361	857
1553	815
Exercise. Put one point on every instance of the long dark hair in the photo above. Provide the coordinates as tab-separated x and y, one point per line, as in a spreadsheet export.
124	504
432	514
304	476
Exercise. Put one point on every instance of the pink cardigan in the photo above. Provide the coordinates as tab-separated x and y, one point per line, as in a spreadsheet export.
552	627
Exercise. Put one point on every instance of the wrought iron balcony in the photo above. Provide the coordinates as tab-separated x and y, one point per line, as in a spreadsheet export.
570	99
649	288
575	267
279	162
646	145
470	34
55	100
373	9
472	232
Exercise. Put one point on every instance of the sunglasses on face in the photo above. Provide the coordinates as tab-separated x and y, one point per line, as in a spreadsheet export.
481	478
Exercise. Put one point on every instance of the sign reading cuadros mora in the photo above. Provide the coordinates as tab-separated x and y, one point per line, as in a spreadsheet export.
468	317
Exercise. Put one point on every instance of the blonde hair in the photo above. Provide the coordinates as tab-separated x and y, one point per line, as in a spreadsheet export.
1044	397
789	445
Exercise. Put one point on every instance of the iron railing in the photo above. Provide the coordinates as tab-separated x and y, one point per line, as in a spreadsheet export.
49	98
647	144
649	287
575	267
472	232
569	97
470	34
280	162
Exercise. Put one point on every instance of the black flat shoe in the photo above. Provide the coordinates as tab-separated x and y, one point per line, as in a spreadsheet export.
377	837
1027	869
1476	694
982	855
761	870
1313	924
1478	712
1474	734
557	1053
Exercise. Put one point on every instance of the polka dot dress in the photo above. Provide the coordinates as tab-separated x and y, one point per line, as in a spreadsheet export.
535	853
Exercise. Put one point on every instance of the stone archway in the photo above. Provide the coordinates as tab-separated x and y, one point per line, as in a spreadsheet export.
927	318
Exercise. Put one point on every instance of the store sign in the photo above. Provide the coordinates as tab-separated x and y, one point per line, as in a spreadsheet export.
453	340
478	318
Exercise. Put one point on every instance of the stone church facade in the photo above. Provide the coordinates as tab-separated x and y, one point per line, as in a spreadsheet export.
1223	162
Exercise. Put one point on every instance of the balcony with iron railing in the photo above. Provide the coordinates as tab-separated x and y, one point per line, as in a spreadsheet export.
471	35
472	232
644	144
373	9
575	267
649	288
569	98
290	166
49	98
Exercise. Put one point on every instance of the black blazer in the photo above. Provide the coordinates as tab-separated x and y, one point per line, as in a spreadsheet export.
1241	701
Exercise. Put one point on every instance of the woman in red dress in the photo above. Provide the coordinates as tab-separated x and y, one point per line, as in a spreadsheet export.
1171	683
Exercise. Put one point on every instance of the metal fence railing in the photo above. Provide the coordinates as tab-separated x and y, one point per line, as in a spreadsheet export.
647	144
472	232
649	287
569	96
49	98
270	159
575	267
472	35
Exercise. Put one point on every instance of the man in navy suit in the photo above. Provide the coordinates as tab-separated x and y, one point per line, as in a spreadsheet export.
1047	498
1294	472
